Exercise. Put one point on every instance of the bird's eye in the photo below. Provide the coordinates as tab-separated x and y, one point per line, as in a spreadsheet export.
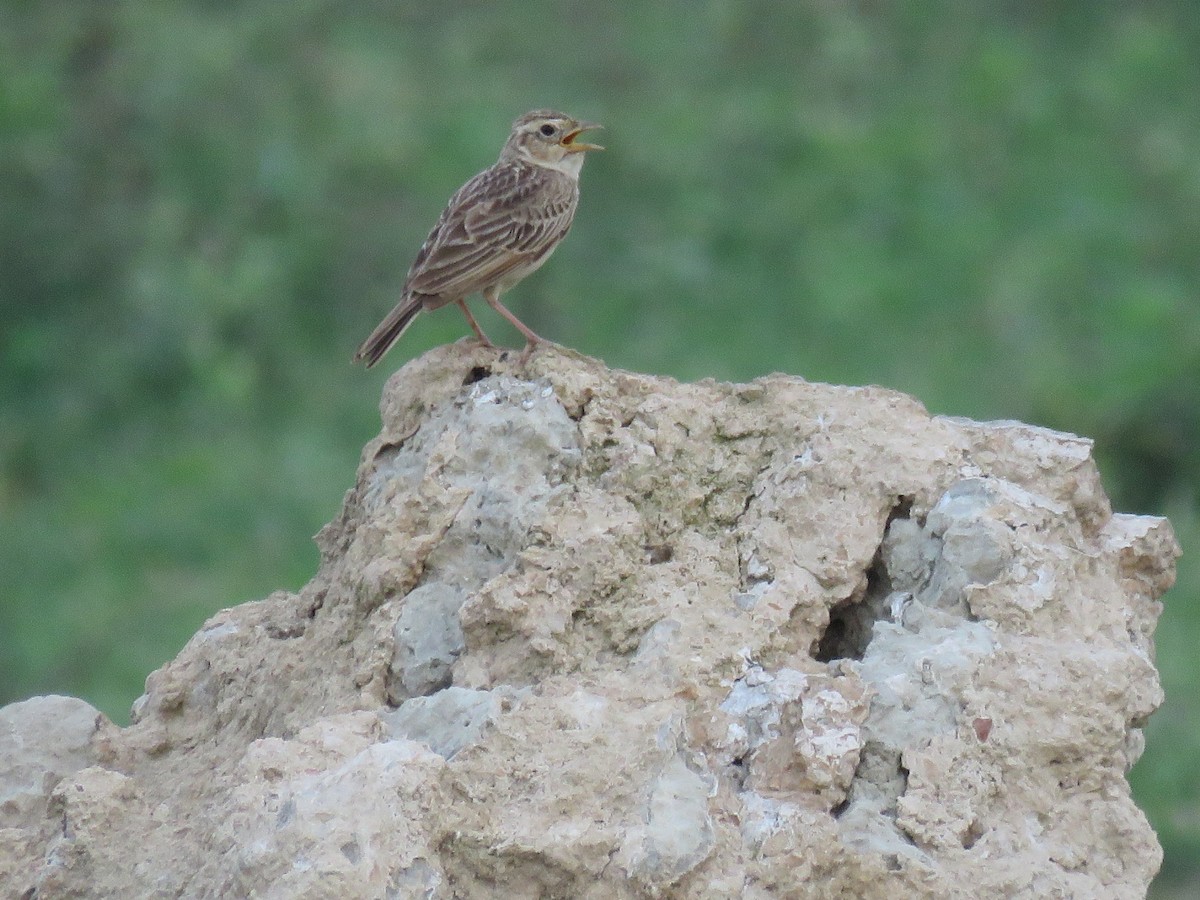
548	130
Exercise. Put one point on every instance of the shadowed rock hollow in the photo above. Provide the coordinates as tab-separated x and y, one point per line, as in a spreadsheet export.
585	633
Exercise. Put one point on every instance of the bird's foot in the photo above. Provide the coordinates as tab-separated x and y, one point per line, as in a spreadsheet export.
530	347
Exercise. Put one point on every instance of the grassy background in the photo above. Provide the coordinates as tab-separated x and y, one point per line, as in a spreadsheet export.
206	206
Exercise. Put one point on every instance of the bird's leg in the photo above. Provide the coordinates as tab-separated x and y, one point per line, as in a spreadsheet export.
483	338
527	352
492	296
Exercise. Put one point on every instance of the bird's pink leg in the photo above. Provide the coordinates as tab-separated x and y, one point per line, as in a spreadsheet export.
492	296
483	338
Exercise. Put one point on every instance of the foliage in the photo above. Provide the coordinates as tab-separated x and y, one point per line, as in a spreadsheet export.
207	206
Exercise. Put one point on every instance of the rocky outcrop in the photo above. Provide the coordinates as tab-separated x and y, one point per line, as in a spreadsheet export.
584	633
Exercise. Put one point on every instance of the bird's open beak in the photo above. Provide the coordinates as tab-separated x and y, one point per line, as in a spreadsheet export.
569	143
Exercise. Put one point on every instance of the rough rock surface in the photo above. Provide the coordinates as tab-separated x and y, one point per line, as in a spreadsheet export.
584	633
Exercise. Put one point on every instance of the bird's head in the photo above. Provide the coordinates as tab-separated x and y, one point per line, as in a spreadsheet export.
547	138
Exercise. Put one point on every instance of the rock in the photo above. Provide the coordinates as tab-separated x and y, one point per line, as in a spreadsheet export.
675	832
585	633
42	740
427	639
450	719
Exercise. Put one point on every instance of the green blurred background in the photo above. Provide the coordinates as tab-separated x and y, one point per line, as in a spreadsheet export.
206	206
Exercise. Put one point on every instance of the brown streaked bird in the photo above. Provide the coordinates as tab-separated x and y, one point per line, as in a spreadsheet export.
499	227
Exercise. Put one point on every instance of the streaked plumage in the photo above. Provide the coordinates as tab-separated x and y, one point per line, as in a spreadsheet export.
498	227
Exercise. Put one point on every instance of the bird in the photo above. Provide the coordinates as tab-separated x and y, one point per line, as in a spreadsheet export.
497	228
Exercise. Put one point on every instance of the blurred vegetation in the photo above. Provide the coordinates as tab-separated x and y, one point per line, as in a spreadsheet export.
207	205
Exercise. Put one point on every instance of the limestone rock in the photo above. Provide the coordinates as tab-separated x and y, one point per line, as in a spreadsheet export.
585	633
41	740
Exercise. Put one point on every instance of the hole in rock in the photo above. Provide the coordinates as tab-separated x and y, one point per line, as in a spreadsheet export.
974	833
478	373
585	400
387	451
657	554
851	623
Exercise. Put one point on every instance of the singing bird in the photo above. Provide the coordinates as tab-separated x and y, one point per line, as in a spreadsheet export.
499	227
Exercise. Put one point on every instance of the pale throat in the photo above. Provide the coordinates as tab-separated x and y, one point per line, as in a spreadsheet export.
570	164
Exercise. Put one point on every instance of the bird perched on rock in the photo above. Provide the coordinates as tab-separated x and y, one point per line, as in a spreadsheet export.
499	227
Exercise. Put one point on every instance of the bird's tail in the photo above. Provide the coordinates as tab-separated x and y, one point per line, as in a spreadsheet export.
388	331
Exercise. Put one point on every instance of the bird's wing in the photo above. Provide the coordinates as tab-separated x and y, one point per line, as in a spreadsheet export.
502	219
